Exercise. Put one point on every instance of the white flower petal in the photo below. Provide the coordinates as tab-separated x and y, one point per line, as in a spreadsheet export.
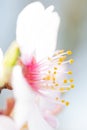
37	29
21	89
1	67
7	123
25	107
1	55
36	121
23	96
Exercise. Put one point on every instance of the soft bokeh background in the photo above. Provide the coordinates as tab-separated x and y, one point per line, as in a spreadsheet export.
72	35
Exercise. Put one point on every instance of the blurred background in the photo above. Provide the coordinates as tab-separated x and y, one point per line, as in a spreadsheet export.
72	35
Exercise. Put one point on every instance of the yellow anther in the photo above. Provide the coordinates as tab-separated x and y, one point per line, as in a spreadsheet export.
65	81
57	98
48	77
63	101
53	78
71	61
25	126
55	68
72	86
56	84
71	80
61	89
55	72
69	72
61	59
69	52
67	103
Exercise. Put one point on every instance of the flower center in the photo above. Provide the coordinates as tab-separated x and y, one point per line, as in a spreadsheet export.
31	74
49	74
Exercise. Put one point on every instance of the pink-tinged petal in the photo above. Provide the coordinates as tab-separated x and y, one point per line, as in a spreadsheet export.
37	29
36	120
57	110
23	95
25	109
7	124
20	87
30	72
51	119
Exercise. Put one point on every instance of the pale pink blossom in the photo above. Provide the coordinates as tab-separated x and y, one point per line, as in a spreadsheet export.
40	79
36	35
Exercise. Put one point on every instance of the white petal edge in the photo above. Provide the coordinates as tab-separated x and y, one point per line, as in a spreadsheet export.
37	30
1	55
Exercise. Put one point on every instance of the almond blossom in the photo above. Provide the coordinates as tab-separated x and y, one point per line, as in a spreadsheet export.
38	80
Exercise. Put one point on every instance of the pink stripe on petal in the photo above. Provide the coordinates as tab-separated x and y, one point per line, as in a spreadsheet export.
30	72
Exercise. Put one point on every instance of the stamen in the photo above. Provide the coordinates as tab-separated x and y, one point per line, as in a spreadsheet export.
69	52
45	74
63	101
65	81
55	72
55	68
71	80
58	52
48	77
67	103
72	86
61	89
61	51
69	72
61	59
71	61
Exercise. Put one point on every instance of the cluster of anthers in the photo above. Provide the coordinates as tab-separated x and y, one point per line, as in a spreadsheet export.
48	74
52	72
